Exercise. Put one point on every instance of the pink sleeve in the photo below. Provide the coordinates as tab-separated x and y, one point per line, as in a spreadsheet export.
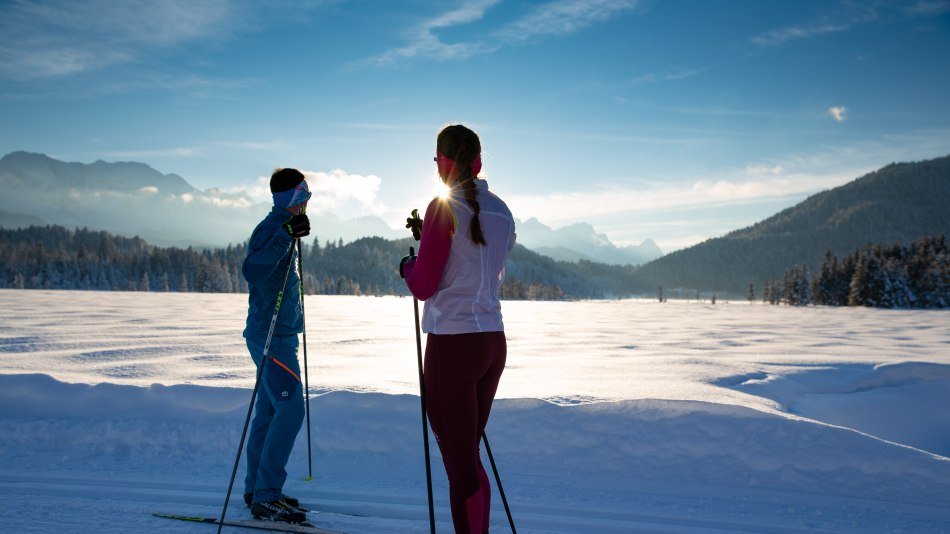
425	272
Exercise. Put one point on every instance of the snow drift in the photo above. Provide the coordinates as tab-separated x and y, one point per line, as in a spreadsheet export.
591	467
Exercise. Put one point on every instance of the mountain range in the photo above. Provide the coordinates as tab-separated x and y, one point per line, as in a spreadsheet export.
898	203
895	204
133	199
581	242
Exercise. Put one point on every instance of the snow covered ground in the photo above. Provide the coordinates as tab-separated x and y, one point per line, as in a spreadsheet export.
613	416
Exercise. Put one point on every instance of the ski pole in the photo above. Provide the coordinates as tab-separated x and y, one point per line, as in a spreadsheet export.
306	378
417	234
501	490
422	396
257	383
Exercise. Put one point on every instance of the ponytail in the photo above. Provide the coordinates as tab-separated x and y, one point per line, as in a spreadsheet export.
461	145
468	187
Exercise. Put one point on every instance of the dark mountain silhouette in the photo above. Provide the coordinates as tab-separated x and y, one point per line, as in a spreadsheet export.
19	169
896	204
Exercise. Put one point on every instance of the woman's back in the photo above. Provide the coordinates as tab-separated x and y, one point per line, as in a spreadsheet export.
467	297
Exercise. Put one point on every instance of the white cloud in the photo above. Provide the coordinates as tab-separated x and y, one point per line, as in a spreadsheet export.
839	17
149	190
848	15
767	184
424	41
670	76
213	199
258	192
337	191
928	7
60	37
760	170
346	195
562	17
794	33
642	79
838	113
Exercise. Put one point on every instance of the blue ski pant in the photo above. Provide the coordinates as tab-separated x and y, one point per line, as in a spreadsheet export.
278	416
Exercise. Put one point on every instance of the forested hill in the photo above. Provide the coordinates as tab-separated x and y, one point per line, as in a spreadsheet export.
896	204
54	257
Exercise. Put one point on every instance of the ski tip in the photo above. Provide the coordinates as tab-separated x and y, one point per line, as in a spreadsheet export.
173	516
196	519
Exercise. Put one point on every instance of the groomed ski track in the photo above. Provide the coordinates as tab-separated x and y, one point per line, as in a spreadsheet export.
93	505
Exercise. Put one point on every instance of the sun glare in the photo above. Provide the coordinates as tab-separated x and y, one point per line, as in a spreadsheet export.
443	191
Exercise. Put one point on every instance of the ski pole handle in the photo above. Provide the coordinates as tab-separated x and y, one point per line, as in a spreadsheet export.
414	223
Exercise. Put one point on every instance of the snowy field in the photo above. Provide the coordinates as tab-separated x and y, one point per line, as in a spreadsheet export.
613	416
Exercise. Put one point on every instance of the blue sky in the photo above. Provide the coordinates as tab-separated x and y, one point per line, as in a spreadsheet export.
674	120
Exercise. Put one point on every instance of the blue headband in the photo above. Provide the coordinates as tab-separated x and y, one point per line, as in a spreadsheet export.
292	197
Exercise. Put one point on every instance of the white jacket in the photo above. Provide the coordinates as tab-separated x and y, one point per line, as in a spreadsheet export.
470	275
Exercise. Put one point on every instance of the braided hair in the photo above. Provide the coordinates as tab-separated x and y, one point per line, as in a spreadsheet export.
462	146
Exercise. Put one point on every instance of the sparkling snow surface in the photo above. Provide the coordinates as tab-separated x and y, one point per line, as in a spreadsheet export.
613	416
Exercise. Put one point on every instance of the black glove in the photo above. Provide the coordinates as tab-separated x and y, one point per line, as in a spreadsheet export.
298	225
402	263
414	223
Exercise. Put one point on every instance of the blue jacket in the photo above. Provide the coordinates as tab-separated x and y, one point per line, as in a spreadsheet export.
268	252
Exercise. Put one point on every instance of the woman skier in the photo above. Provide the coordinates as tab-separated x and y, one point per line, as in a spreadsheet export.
465	241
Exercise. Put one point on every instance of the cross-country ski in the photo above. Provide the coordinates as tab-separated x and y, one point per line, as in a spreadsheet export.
257	524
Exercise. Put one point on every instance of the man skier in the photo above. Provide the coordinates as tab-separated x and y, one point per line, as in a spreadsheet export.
279	411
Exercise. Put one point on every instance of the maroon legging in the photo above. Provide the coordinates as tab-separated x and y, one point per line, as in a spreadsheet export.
461	376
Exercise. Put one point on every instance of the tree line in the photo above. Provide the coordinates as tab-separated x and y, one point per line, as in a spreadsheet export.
895	276
54	257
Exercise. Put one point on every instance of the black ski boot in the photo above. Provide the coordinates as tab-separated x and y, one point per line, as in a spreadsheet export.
277	510
292	501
